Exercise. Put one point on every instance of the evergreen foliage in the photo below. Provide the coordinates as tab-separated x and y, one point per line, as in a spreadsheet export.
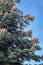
15	44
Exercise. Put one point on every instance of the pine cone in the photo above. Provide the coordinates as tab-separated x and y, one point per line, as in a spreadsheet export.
36	40
30	17
29	33
3	31
5	14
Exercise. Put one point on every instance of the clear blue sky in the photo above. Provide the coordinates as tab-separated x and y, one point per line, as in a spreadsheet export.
35	8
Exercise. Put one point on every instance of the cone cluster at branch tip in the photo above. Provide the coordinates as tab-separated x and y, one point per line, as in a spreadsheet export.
5	14
36	40
30	17
3	31
29	33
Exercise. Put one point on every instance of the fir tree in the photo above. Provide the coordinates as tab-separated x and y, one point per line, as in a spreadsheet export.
16	44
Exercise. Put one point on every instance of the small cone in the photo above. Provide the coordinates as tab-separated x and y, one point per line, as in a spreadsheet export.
36	40
3	31
30	17
29	33
5	14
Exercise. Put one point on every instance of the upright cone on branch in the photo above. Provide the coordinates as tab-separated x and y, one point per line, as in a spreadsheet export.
5	14
29	33
36	40
3	30
30	18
